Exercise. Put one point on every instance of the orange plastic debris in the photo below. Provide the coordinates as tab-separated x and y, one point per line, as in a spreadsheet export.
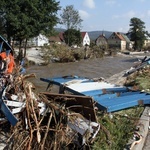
9	60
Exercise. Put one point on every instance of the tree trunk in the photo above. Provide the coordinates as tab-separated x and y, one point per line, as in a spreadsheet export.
20	54
25	48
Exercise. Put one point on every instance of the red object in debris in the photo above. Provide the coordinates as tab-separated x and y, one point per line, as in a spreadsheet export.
10	63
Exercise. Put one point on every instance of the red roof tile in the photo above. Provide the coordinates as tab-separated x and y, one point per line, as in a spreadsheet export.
119	35
83	34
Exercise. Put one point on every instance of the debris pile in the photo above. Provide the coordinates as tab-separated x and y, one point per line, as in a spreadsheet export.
41	120
140	80
48	121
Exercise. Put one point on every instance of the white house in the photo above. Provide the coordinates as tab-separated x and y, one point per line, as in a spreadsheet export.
40	40
85	38
147	41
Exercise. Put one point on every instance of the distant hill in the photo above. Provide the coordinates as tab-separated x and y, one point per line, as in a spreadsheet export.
94	34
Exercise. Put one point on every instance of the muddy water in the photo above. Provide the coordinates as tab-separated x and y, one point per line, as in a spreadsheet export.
102	67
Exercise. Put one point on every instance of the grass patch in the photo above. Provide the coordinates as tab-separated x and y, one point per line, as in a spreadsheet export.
116	129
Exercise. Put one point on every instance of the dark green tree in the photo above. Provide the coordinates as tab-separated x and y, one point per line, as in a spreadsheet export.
137	33
1	26
26	19
74	37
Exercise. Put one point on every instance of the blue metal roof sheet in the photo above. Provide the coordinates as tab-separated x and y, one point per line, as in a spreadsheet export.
109	97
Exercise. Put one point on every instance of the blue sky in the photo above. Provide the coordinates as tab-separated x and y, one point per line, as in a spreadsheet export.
109	15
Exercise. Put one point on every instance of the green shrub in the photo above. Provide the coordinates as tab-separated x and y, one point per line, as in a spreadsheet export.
62	53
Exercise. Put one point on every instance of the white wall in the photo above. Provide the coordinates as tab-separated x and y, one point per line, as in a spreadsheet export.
40	40
86	39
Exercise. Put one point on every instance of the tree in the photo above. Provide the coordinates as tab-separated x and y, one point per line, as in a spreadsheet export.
74	37
26	19
137	33
71	18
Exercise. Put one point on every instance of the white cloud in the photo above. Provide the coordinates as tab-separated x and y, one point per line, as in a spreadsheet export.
84	14
89	3
129	14
110	2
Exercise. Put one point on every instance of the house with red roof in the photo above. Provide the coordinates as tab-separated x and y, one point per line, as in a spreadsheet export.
85	38
116	40
58	38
